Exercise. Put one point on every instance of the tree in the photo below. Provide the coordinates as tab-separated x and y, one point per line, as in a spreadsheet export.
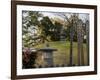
51	30
56	32
30	25
47	27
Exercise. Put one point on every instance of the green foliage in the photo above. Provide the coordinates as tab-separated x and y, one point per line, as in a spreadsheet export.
47	25
56	31
50	29
47	29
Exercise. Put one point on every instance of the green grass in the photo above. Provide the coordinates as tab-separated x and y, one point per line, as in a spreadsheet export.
61	56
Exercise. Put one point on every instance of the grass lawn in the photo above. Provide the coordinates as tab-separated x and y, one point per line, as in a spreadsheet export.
61	56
